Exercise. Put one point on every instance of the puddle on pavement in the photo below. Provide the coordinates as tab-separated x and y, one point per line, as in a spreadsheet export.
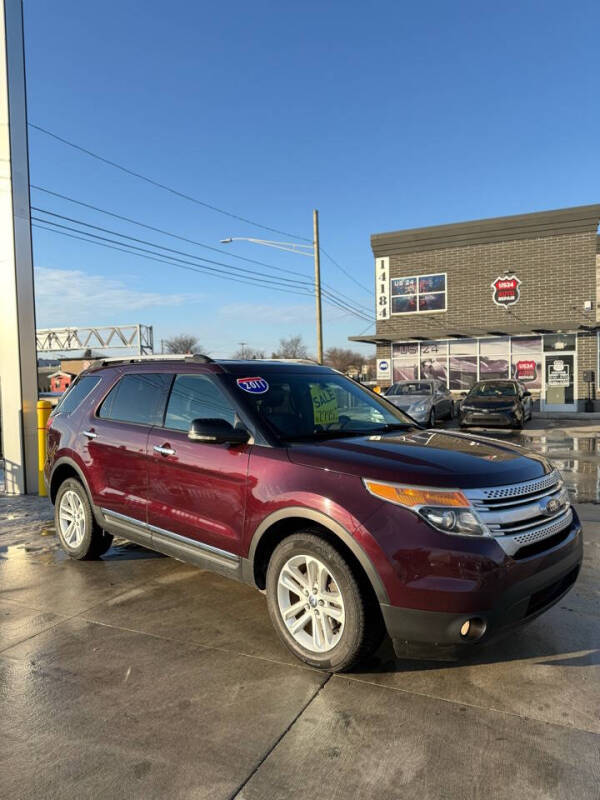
576	455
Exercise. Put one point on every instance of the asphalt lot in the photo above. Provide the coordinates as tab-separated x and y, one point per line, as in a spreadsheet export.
138	676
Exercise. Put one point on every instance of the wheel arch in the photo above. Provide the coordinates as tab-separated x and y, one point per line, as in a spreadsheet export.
280	524
67	468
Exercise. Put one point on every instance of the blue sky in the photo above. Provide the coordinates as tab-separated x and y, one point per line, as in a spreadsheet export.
382	115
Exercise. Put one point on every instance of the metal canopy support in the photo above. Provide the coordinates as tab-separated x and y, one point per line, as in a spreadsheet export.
106	337
18	368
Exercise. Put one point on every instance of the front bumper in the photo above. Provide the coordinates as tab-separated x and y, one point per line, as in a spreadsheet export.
437	634
501	419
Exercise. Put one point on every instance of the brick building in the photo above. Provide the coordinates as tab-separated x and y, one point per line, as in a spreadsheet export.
513	296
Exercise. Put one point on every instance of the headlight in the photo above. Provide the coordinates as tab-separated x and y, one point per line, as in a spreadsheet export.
418	408
448	511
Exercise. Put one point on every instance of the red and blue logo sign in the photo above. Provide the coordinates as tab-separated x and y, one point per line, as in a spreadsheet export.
253	385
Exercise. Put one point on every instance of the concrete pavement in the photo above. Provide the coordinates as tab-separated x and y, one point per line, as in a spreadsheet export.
138	676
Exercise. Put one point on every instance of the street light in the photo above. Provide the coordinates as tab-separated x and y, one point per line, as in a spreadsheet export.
302	250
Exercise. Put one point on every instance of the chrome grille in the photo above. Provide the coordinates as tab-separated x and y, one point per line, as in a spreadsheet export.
517	489
516	516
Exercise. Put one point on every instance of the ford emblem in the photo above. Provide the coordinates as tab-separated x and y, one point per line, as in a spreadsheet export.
550	507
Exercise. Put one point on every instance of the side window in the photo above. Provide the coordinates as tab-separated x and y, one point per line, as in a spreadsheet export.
137	398
196	397
76	394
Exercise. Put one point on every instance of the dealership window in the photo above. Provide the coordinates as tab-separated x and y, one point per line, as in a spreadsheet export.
463	364
434	361
418	294
526	361
494	361
405	361
460	363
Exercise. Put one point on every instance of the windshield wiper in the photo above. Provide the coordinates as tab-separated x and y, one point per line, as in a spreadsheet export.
392	426
303	437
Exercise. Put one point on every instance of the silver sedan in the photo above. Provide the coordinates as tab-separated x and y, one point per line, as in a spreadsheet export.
426	401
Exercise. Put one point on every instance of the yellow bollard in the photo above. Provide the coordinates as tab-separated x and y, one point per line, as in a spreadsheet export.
44	407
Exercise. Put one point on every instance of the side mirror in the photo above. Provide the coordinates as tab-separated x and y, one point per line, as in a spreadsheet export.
526	393
216	431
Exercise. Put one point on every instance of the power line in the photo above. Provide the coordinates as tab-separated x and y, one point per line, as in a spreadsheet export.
266	278
185	239
263	275
302	287
202	270
83	238
185	196
163	186
346	273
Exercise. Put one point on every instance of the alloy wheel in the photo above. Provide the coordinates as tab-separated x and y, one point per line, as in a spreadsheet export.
310	603
71	518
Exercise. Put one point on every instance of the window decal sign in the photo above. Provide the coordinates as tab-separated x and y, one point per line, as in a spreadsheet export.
418	294
382	287
253	385
383	368
558	373
526	370
325	407
506	290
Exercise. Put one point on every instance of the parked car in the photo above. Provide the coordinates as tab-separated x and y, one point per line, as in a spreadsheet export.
302	483
504	403
426	401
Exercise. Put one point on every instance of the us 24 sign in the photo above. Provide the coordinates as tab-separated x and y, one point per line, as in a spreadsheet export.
506	290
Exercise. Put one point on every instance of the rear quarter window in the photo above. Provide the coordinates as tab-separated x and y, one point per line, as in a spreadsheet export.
138	398
76	394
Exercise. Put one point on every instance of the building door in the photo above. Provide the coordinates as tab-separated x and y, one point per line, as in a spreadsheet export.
559	385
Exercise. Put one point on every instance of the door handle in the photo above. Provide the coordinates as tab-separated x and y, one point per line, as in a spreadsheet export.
90	434
164	451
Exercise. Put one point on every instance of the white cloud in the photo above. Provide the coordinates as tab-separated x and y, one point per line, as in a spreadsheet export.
69	296
275	314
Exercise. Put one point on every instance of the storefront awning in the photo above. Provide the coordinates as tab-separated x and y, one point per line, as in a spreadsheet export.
513	327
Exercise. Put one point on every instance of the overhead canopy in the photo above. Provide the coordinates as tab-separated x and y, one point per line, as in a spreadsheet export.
423	331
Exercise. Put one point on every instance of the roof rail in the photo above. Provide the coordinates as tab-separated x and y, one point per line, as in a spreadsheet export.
195	357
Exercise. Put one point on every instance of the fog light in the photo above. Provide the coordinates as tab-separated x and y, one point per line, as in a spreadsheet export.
473	629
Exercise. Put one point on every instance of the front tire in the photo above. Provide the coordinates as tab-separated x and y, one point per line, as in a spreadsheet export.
317	605
79	534
431	423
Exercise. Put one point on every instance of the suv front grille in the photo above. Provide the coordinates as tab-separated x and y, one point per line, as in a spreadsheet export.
516	515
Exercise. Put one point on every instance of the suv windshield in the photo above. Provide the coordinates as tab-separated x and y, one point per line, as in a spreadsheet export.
421	387
314	405
494	389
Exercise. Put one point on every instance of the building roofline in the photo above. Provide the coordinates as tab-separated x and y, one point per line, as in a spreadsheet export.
579	219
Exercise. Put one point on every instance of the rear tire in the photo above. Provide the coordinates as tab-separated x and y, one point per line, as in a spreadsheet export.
79	534
318	605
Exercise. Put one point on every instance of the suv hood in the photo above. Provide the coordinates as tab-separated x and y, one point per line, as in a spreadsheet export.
424	458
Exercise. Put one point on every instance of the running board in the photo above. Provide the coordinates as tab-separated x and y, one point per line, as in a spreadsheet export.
172	544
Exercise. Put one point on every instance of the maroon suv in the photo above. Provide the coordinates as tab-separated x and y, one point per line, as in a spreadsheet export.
294	479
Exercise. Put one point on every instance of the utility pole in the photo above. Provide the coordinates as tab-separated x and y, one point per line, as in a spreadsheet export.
318	285
242	345
18	366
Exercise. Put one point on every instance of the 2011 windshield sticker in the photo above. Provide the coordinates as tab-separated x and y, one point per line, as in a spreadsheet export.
253	385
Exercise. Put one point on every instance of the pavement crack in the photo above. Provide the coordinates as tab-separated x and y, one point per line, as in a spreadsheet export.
284	733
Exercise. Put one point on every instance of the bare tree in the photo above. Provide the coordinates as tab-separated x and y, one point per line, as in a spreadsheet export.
293	347
342	358
248	353
184	343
